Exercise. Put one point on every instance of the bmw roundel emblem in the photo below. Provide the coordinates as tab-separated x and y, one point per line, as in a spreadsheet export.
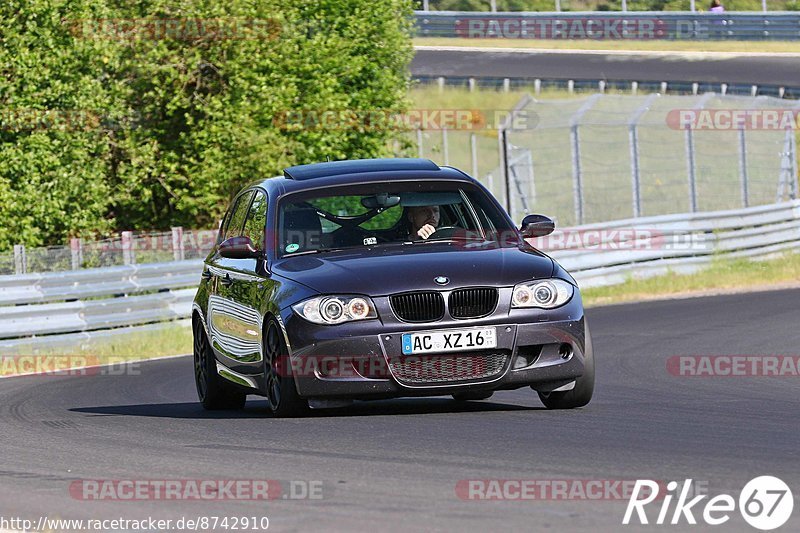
441	280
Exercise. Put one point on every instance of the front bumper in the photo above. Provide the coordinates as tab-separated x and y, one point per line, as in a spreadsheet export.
544	349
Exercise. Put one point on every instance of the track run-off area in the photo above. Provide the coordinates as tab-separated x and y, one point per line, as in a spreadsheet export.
406	464
708	67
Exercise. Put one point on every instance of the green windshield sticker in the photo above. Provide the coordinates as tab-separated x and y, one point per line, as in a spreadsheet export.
292	247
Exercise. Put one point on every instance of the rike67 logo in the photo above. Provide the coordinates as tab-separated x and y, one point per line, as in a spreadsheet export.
765	503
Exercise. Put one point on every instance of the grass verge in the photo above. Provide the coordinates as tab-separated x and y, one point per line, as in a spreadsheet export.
635	46
723	275
125	346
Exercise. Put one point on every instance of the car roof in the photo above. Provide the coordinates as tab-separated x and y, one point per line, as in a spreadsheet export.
356	166
320	175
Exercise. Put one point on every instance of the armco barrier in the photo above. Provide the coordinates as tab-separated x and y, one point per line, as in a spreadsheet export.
94	300
679	243
640	25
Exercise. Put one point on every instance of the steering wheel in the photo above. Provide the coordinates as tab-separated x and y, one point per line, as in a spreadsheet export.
444	232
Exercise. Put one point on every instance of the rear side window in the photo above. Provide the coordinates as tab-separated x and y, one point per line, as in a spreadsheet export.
233	227
256	223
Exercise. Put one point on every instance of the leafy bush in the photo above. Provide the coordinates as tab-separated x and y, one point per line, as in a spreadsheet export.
171	123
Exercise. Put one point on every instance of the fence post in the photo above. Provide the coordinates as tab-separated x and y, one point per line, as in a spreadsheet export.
473	147
178	251
76	251
506	174
20	259
790	133
690	156
633	141
692	168
127	248
419	143
577	185
743	168
445	150
531	175
575	144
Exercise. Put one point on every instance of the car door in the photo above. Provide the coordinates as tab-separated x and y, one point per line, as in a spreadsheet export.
226	320
242	288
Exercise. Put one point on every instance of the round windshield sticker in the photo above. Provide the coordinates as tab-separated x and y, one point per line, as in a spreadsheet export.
292	247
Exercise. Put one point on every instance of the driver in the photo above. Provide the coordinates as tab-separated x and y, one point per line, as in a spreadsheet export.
423	221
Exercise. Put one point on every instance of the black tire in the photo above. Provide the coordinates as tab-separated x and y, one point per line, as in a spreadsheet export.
212	390
582	393
282	397
472	396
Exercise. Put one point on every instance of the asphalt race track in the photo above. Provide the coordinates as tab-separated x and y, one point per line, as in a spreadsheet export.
394	465
773	69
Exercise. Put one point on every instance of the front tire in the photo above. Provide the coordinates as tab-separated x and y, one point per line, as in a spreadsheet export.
282	397
583	391
213	392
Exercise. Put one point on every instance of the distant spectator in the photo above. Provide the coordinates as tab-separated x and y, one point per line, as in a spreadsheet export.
716	7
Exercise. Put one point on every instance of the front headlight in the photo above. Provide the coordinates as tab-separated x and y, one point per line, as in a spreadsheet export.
546	294
336	309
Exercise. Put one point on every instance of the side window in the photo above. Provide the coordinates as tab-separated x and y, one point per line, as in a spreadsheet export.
236	220
223	226
255	225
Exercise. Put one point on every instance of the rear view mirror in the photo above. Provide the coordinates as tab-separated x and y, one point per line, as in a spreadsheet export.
537	226
382	201
238	248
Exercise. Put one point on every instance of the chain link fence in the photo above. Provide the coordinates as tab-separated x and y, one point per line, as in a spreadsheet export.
609	157
126	249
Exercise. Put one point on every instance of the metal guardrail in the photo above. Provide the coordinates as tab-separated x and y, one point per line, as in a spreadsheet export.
95	299
640	25
609	253
59	305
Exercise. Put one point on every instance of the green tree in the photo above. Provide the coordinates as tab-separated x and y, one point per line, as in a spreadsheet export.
181	117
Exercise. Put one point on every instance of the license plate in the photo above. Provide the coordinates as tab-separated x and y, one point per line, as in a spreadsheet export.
449	340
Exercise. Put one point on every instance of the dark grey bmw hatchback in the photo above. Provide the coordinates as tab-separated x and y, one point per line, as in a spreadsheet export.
381	278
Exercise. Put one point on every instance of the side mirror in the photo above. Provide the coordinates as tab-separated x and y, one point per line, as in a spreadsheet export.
537	226
238	248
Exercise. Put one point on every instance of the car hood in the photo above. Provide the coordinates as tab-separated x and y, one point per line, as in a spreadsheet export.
386	270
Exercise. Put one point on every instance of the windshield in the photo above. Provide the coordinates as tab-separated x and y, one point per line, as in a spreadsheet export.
369	215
